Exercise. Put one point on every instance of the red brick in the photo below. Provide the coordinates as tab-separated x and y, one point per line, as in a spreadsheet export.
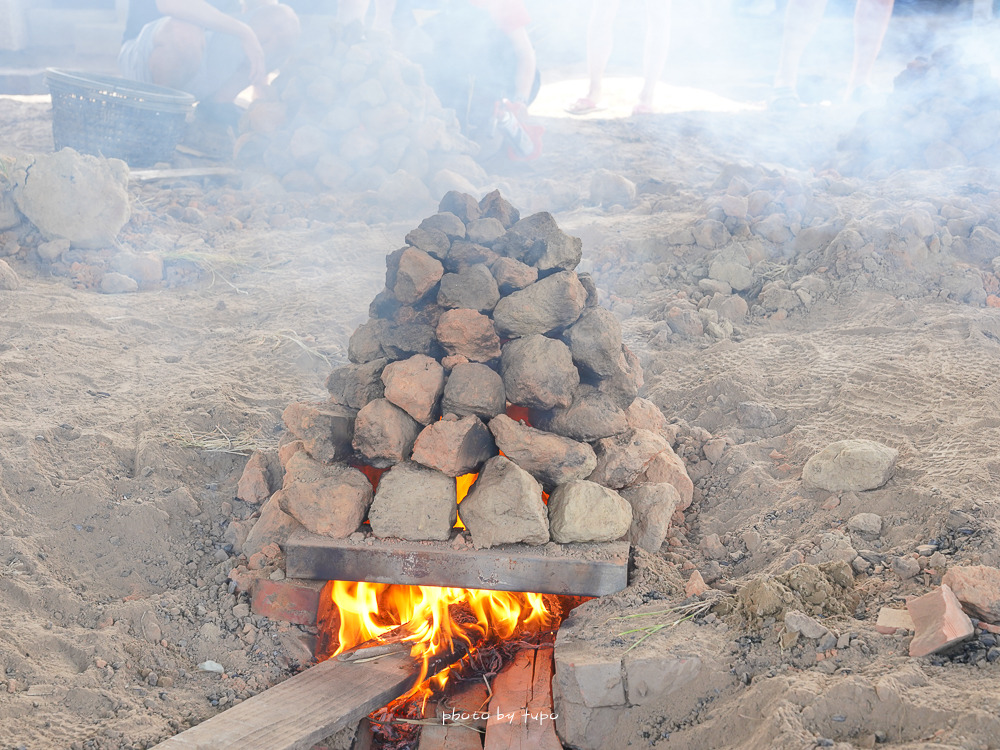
290	600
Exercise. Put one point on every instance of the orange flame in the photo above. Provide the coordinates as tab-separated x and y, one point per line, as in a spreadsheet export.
368	610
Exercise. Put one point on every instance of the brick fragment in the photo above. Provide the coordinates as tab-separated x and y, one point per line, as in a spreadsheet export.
938	620
291	600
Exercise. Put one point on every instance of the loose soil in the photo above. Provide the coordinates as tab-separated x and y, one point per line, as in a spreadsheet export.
126	420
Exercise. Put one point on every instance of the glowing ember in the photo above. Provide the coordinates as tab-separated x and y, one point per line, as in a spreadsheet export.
435	619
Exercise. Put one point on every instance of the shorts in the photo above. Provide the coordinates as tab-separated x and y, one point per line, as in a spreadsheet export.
223	58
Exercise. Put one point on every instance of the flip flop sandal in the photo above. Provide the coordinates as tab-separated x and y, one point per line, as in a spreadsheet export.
643	109
583	106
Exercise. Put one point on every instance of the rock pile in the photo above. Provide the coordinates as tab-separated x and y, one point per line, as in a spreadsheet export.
350	113
942	113
487	354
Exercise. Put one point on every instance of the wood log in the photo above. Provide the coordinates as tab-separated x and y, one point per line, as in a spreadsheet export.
147	175
521	715
578	569
309	707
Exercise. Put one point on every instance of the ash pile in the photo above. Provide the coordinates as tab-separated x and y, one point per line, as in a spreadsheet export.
486	354
942	113
349	113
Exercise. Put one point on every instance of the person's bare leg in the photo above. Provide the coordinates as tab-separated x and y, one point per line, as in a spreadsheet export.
277	28
600	41
802	18
178	49
871	19
657	45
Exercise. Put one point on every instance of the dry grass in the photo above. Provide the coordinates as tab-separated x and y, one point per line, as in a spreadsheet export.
219	441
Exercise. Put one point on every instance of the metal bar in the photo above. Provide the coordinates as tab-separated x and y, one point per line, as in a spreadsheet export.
577	569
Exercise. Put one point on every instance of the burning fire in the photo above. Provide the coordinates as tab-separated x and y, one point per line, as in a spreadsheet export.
434	619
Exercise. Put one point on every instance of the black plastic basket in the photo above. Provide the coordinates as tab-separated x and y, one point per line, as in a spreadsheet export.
116	118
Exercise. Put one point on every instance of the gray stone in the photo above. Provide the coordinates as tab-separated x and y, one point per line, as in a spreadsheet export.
738	275
445	222
495	206
643	414
365	344
416	273
355	385
433	242
551	459
405	340
327	500
414	503
415	385
485	231
462	205
905	567
622	458
273	525
474	288
505	506
513	275
623	386
474	389
454	447
709	233
800	622
538	241
470	334
596	342
865	523
384	434
9	280
582	511
850	465
549	304
608	188
669	468
592	416
653	506
72	196
325	429
9	217
464	254
261	476
538	372
754	415
146	268
111	283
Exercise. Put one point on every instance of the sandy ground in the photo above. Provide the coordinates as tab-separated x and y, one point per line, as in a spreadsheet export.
113	507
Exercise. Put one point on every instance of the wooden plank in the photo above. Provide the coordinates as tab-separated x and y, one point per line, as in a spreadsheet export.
462	718
147	175
304	709
521	715
577	569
